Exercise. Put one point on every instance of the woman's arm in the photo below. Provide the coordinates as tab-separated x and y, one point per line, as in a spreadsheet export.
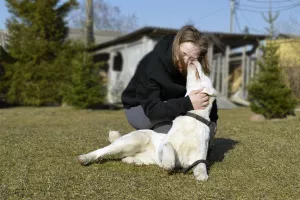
149	94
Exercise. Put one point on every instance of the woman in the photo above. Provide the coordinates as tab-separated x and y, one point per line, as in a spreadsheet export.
155	94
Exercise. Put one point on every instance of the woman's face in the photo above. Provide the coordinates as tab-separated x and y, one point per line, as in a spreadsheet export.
190	52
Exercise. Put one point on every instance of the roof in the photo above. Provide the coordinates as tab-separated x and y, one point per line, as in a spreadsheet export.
234	39
287	36
100	36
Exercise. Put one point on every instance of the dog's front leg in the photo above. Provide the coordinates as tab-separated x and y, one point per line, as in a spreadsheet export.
167	156
200	171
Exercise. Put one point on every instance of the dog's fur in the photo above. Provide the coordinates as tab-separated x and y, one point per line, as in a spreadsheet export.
186	142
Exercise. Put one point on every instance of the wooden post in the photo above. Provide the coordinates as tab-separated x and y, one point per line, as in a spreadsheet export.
218	73
110	78
223	75
210	54
247	73
252	69
257	59
226	70
213	72
2	40
211	63
243	70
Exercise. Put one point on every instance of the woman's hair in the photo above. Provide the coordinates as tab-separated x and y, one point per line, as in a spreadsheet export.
190	34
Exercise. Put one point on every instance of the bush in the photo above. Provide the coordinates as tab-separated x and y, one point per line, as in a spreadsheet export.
85	86
36	40
268	93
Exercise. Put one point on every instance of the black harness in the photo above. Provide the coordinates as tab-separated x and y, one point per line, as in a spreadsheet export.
212	128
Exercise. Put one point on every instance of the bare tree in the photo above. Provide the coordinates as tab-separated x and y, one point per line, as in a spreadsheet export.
105	16
270	20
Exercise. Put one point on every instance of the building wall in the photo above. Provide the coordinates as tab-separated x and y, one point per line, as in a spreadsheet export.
131	53
2	38
289	51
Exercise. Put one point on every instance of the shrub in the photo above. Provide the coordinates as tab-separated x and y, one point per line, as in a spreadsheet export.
85	87
268	93
37	33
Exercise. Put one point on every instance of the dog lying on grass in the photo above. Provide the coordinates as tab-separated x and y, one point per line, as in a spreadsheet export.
185	146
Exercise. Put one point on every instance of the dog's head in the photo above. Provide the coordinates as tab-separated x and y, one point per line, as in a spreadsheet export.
197	79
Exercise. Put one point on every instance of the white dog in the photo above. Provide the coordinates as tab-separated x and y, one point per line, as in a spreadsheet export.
185	145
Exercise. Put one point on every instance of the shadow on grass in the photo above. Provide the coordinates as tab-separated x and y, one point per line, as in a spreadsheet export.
6	105
103	161
105	107
219	149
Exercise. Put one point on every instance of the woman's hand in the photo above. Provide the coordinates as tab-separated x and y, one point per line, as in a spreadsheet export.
199	100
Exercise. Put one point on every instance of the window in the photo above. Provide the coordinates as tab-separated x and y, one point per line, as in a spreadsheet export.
118	62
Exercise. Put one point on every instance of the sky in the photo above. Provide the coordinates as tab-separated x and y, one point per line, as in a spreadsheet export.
206	15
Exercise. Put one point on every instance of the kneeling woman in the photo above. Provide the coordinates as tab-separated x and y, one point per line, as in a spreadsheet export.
155	94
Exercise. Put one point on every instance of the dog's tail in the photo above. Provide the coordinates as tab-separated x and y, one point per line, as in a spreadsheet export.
113	135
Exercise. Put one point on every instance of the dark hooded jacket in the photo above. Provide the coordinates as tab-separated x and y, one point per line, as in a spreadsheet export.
159	87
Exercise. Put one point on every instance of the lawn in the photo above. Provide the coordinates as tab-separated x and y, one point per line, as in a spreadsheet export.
39	147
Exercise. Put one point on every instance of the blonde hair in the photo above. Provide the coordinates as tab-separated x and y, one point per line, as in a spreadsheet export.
189	33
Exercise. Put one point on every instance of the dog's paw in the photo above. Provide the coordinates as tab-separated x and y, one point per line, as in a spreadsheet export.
169	166
132	160
201	177
113	135
168	157
200	173
83	160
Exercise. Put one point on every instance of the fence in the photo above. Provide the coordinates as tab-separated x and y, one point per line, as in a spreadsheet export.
222	68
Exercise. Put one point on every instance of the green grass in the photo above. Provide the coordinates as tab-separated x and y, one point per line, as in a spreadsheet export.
39	147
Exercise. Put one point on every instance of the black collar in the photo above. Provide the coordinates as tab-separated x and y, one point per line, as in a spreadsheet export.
211	125
199	118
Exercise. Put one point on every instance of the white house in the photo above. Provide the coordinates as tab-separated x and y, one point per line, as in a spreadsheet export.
3	38
227	51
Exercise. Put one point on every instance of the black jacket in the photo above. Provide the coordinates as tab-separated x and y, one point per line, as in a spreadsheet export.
158	86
